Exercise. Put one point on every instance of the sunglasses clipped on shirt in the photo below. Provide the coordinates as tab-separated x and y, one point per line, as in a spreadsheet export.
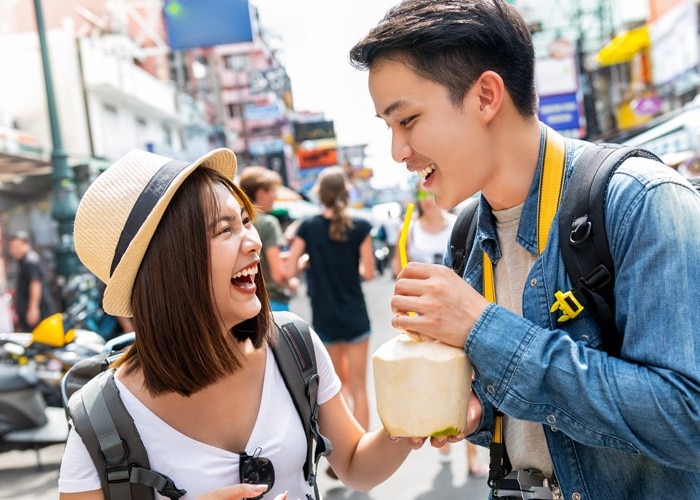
254	469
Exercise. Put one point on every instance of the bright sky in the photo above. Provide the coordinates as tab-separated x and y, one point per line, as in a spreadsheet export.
315	38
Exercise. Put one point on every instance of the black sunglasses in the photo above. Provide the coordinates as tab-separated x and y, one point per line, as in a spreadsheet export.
254	469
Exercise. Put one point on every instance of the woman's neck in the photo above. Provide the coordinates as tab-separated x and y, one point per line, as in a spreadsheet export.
433	222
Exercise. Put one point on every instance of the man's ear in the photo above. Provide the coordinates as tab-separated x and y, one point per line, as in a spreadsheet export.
490	90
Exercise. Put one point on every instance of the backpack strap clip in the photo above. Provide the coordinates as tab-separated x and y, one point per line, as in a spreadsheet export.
572	302
139	475
580	231
118	474
160	482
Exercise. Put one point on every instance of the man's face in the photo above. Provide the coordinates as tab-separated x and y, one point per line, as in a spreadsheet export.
265	198
441	141
17	248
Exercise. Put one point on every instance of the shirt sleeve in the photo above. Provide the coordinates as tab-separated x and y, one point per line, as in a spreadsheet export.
77	473
329	382
270	231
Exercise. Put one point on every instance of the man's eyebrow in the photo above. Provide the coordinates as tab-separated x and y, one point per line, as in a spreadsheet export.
393	107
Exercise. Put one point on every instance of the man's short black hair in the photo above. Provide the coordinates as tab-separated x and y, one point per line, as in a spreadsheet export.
452	42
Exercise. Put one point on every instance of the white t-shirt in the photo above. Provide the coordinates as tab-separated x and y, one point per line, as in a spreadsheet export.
428	247
198	467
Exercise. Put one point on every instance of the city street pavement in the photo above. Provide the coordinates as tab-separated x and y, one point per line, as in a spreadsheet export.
426	474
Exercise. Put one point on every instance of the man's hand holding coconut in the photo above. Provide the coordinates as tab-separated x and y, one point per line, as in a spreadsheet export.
423	378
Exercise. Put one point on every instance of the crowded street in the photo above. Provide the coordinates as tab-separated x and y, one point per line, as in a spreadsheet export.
293	250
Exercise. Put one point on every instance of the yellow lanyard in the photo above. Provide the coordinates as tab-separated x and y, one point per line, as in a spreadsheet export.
550	189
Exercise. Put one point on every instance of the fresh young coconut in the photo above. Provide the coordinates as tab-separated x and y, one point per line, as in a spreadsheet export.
422	387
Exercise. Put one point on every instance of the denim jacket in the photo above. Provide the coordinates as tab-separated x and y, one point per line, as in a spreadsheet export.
616	427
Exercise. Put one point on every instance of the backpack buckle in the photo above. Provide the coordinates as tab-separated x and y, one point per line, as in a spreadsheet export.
118	474
597	278
568	304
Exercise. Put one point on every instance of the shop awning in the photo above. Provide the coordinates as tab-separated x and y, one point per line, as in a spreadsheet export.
624	46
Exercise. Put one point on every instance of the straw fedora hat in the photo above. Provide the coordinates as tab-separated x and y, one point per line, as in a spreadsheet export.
120	211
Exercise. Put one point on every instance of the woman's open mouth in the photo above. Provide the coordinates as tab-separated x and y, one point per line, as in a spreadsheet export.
245	278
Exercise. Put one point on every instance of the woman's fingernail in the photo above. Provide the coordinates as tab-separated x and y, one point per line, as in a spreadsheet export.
260	487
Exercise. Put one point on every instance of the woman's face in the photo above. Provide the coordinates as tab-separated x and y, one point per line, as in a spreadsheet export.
235	258
427	201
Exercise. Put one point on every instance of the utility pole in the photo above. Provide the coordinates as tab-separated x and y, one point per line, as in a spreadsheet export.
593	26
64	197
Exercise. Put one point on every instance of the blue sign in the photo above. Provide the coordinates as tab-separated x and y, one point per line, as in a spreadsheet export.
560	111
205	23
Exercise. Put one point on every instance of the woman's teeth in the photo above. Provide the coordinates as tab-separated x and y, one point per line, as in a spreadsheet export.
248	271
425	172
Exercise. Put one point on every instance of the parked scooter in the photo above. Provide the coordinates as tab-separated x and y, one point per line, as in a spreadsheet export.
26	422
49	351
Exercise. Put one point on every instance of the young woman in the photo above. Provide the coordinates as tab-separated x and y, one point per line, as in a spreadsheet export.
340	254
175	244
428	233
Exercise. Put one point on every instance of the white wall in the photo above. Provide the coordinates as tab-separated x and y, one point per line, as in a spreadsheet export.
23	95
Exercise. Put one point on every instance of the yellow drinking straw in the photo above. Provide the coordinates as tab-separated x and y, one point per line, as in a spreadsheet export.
404	235
403	256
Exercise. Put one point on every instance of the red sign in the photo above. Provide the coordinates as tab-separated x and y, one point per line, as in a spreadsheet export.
317	158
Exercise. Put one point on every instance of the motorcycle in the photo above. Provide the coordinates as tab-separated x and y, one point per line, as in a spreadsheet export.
380	249
26	421
82	295
381	255
50	350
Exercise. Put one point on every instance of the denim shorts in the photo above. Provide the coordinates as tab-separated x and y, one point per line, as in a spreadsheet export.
329	341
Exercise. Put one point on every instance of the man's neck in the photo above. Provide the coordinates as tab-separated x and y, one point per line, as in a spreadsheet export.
515	161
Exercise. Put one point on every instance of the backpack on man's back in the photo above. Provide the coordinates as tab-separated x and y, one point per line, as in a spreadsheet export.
113	442
582	239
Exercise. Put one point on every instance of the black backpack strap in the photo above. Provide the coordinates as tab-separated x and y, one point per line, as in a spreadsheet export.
110	436
582	238
296	358
463	233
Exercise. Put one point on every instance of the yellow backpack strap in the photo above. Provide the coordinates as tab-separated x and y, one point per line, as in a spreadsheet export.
551	182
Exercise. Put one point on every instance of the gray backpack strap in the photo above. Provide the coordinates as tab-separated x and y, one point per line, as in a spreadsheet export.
114	444
296	358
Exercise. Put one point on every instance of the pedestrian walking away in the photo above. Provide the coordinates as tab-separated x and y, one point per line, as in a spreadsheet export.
175	244
340	252
563	416
32	299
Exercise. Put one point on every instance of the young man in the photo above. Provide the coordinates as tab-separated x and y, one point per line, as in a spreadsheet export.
260	184
454	81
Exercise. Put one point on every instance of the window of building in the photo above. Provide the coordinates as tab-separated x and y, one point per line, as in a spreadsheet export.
167	135
237	62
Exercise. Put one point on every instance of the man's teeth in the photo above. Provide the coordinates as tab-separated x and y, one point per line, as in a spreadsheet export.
425	172
248	271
